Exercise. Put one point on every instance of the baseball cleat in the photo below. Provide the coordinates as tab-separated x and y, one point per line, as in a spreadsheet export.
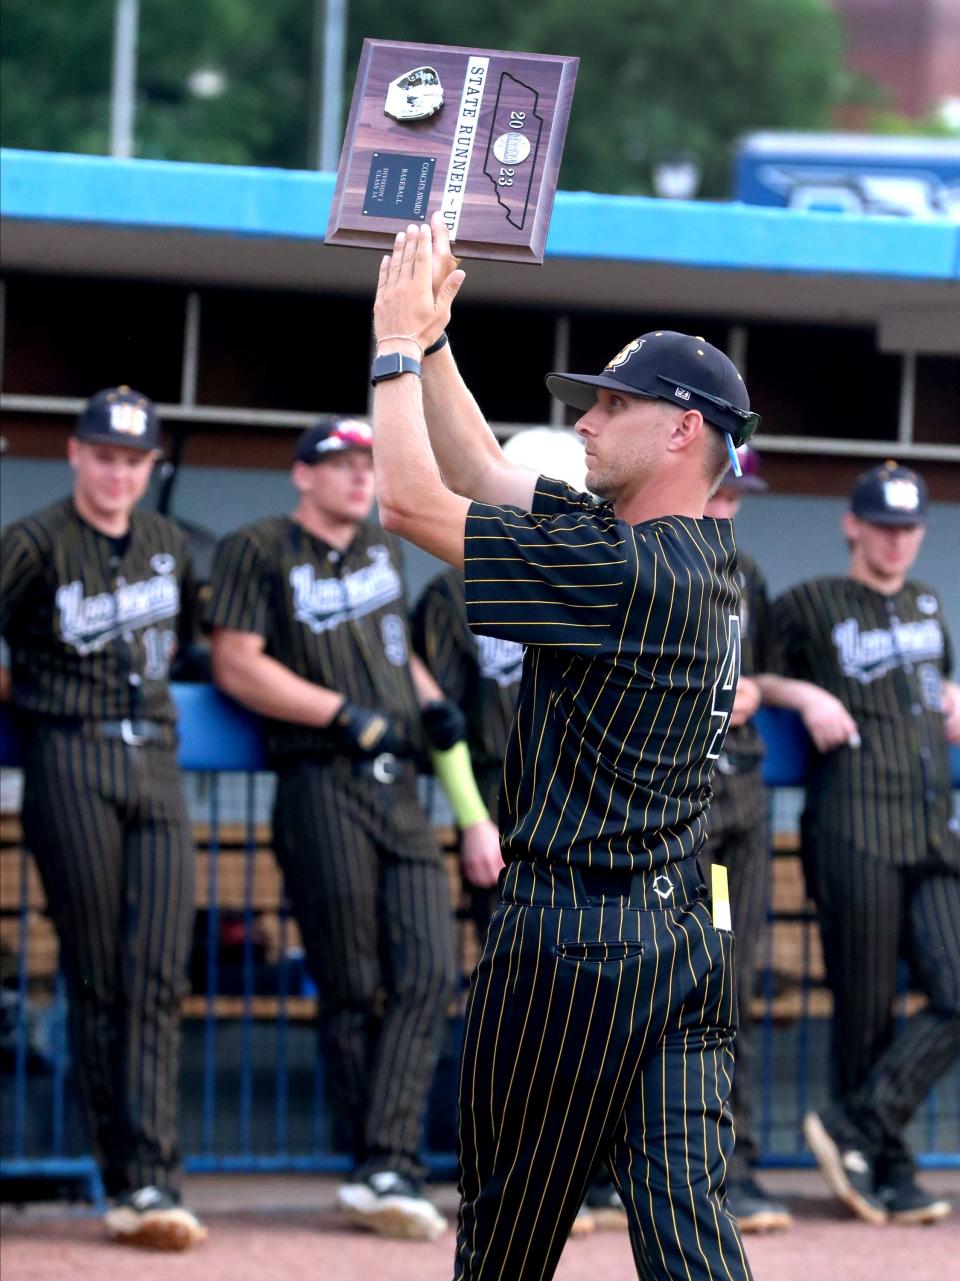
152	1220
907	1202
753	1210
391	1205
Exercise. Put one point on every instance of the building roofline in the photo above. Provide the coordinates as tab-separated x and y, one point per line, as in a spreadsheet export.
48	187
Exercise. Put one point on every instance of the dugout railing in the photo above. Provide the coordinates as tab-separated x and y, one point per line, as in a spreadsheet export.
252	1080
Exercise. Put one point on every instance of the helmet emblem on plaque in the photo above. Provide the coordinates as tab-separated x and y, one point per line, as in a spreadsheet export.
416	95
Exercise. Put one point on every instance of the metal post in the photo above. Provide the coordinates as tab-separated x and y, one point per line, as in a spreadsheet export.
191	346
908	396
124	85
561	360
329	45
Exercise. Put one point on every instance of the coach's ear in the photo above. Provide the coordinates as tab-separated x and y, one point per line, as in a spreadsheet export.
685	429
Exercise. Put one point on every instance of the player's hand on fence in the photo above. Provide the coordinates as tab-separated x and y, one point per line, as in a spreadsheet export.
444	723
951	711
364	733
406	305
828	722
746	701
480	853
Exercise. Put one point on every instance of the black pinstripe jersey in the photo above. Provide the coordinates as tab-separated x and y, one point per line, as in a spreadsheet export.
93	622
628	679
885	658
480	673
336	618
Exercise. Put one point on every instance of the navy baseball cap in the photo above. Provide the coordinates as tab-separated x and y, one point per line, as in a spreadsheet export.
332	436
119	416
682	369
749	481
890	495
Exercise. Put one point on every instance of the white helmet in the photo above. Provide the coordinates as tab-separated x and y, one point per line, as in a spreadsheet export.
549	451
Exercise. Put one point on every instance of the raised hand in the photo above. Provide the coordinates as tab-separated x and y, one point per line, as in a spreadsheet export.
444	262
406	306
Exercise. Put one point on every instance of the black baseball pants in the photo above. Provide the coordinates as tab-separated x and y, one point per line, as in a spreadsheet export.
108	828
369	891
739	839
871	914
600	1027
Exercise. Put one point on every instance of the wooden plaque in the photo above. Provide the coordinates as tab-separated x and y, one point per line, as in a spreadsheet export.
475	133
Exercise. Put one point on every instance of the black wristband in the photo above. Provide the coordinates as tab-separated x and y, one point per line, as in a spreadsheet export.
435	346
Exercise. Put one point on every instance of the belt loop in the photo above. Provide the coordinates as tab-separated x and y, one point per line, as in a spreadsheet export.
580	896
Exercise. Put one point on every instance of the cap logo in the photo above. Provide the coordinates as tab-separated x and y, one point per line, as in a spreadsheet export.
624	355
347	435
127	419
681	393
901	495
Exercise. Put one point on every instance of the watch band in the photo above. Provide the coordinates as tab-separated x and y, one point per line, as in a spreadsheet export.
391	365
435	346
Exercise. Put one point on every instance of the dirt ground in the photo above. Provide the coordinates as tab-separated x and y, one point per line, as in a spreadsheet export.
285	1228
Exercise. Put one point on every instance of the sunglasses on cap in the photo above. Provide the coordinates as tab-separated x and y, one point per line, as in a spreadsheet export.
747	422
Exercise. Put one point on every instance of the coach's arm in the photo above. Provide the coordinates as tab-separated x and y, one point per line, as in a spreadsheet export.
468	455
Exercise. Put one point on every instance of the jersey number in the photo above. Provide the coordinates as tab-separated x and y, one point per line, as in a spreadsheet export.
725	689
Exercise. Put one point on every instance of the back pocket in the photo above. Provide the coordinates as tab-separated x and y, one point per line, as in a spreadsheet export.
597	951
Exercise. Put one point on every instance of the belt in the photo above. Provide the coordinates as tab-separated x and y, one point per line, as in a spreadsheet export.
130	730
563	885
385	768
133	733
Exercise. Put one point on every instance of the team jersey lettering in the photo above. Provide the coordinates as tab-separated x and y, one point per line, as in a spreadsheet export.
867	655
88	623
324	603
725	690
394	633
500	660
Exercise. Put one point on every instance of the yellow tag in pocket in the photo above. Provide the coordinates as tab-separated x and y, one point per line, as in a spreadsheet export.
720	889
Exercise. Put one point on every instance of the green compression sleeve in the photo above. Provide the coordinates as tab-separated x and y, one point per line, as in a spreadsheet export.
455	772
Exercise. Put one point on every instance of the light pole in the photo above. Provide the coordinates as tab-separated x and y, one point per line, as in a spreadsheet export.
123	88
329	50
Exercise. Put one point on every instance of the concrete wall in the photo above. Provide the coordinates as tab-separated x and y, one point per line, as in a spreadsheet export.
792	538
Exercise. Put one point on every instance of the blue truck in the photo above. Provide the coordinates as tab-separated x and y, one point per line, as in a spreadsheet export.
905	177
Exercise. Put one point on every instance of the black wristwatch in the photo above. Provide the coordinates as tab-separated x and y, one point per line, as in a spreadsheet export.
392	365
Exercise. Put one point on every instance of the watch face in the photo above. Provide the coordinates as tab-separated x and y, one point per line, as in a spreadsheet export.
391	365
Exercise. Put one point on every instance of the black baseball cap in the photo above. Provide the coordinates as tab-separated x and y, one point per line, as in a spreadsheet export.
682	369
890	495
332	436
119	416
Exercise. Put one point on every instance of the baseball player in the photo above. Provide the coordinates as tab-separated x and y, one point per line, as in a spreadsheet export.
97	598
310	630
481	674
740	840
602	1013
869	655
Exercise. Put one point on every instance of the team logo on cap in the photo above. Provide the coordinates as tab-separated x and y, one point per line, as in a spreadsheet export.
351	434
623	356
901	495
127	419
